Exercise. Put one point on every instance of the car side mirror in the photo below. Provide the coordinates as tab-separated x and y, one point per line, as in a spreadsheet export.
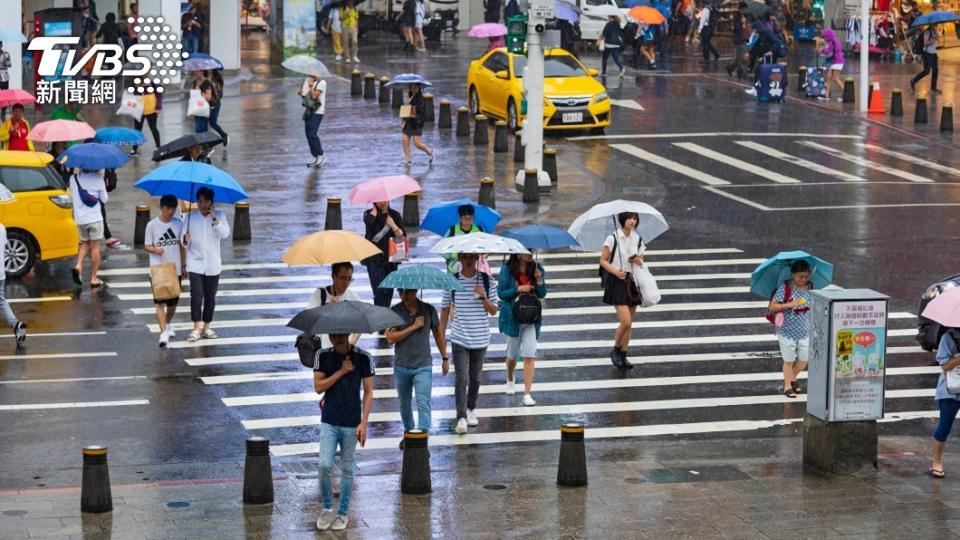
593	72
502	74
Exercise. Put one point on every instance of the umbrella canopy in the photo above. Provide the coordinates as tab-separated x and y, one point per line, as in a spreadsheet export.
772	272
945	308
635	3
119	136
606	10
9	34
345	318
421	277
934	17
646	15
487	30
757	9
201	62
479	243
93	156
16	96
178	147
440	218
384	188
405	79
329	247
538	236
183	178
566	11
61	131
593	226
307	65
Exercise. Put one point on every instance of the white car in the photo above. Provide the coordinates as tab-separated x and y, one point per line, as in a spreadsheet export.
591	25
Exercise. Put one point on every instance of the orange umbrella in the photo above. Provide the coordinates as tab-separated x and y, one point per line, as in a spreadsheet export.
646	15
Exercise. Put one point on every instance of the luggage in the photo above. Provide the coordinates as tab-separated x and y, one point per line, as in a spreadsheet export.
815	85
771	83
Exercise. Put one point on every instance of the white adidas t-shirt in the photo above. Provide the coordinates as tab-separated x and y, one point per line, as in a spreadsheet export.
166	236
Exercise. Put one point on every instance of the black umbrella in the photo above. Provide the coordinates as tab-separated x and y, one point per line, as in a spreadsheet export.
345	318
757	9
178	147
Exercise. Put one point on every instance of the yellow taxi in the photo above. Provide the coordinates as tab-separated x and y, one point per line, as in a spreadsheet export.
574	99
39	222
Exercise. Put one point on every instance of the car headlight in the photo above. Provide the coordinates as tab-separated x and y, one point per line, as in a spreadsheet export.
936	289
63	201
602	96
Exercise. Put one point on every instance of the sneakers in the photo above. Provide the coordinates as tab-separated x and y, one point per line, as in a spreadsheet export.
338	58
461	428
622	72
472	418
339	524
170	333
751	91
528	401
433	155
355	61
164	339
20	332
326	519
510	387
321	160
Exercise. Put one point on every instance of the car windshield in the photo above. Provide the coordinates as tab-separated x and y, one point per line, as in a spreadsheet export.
553	66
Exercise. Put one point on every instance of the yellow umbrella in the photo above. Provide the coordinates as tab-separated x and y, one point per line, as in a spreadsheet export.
328	247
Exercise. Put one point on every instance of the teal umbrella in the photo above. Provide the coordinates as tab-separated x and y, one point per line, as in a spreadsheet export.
772	272
420	277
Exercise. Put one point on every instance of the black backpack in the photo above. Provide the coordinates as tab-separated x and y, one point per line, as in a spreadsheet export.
486	285
527	309
307	344
918	43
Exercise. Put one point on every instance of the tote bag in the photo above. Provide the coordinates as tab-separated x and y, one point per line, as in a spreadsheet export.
164	280
199	106
131	105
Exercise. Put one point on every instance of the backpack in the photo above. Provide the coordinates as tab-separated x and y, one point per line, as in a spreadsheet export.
308	344
714	19
771	316
527	308
918	43
486	285
110	179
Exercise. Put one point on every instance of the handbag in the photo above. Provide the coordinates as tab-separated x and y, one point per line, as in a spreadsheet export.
600	45
165	281
953	380
408	111
398	249
198	105
131	105
649	291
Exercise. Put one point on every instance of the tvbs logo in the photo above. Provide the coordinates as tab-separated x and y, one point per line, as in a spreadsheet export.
108	59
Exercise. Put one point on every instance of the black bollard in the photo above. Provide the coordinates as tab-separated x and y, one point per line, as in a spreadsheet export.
384	95
920	114
531	186
848	91
415	475
550	163
356	83
802	79
500	137
369	86
334	219
480	135
396	98
896	103
241	221
463	122
518	155
572	469
95	497
487	196
257	472
946	117
428	108
140	225
411	210
445	121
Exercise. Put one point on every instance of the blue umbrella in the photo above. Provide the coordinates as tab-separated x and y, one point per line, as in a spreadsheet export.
182	179
94	156
934	17
421	276
566	11
119	136
538	236
772	272
440	218
200	62
408	78
635	3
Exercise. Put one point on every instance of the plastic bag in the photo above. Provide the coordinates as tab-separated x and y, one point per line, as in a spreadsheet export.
131	105
399	249
198	106
647	285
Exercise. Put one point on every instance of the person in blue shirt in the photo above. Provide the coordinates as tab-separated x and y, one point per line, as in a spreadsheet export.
612	42
948	356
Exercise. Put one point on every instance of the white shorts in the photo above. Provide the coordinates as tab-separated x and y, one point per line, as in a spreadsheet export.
836	67
794	349
524	345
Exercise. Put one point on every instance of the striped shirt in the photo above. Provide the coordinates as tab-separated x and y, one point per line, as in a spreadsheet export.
471	322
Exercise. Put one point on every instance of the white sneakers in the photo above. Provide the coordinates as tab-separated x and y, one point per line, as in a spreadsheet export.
318	161
751	91
339	524
166	336
330	520
511	390
528	401
472	418
461	428
339	58
356	60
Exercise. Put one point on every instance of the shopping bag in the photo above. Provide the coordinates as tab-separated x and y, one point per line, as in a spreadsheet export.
649	291
399	249
198	106
131	105
165	281
953	380
408	111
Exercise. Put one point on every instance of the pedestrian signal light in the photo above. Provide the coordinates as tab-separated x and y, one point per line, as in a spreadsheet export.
517	34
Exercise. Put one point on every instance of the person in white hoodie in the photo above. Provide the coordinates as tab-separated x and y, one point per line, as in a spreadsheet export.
202	233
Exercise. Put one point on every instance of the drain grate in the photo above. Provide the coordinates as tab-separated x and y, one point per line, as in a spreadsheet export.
494	487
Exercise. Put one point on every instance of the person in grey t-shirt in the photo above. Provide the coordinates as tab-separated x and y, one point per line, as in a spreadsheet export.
412	359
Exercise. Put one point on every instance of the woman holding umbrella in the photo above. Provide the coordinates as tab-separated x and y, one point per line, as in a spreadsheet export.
930	60
622	252
520	286
382	224
413	125
944	310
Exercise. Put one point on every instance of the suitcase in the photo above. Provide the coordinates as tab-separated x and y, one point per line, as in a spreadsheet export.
771	83
815	85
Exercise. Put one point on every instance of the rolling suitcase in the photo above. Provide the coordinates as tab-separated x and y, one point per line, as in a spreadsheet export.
771	82
815	84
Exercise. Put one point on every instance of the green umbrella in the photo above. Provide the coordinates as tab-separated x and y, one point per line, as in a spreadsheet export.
421	277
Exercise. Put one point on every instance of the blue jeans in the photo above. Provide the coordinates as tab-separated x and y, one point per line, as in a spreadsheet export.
409	379
312	125
191	43
607	52
330	437
948	413
202	125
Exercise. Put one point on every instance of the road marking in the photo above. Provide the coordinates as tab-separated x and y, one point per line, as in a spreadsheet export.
39	299
82	379
866	162
634	151
58	334
725	134
737	163
738	198
73	405
812	165
910	158
627	104
55	356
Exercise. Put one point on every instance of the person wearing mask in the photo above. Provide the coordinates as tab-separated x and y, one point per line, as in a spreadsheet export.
162	241
382	223
349	22
313	92
152	104
466	226
110	31
88	192
833	52
622	252
930	60
709	19
740	35
5	65
611	41
413	126
205	228
412	360
520	276
14	131
792	299
338	291
469	334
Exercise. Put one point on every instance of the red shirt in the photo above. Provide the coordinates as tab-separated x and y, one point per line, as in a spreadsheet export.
523	280
18	135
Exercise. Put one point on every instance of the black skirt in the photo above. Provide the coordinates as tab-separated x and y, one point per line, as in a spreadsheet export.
615	292
412	129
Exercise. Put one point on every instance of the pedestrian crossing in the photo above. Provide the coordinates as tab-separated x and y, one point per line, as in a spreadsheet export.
706	359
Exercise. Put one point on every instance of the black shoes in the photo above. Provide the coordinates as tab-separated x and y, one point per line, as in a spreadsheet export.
619	359
625	364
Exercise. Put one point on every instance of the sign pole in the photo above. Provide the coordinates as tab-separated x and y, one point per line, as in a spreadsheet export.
539	12
864	54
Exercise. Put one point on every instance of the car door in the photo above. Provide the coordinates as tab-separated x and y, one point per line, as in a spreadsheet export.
494	91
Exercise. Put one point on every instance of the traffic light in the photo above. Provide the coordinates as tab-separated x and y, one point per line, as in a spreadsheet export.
517	34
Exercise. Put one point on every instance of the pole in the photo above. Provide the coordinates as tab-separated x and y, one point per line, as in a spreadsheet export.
864	55
533	88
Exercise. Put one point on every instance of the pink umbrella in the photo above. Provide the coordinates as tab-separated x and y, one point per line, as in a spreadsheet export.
945	308
61	131
385	188
487	30
15	96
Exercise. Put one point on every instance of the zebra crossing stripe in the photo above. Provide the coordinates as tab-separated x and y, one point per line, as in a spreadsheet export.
72	405
866	162
39	299
737	163
910	158
57	356
680	168
812	165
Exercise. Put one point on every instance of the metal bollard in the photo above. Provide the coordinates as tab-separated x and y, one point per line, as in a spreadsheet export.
369	86
95	497
572	469
241	221
500	137
257	472
848	91
487	195
396	98
946	117
550	163
428	108
411	210
356	84
140	224
518	156
531	186
445	121
415	474
802	79
384	96
463	122
334	218
480	135
920	114
896	103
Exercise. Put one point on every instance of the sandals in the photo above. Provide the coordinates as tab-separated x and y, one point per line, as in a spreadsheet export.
790	393
193	336
936	473
209	334
796	386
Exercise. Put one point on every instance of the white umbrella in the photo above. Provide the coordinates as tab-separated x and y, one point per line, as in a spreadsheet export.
599	222
479	242
606	10
307	65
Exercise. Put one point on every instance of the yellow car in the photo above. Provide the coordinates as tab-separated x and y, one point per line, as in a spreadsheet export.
39	221
574	99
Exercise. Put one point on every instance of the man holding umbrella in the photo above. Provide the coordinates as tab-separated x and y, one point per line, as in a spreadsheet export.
205	228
